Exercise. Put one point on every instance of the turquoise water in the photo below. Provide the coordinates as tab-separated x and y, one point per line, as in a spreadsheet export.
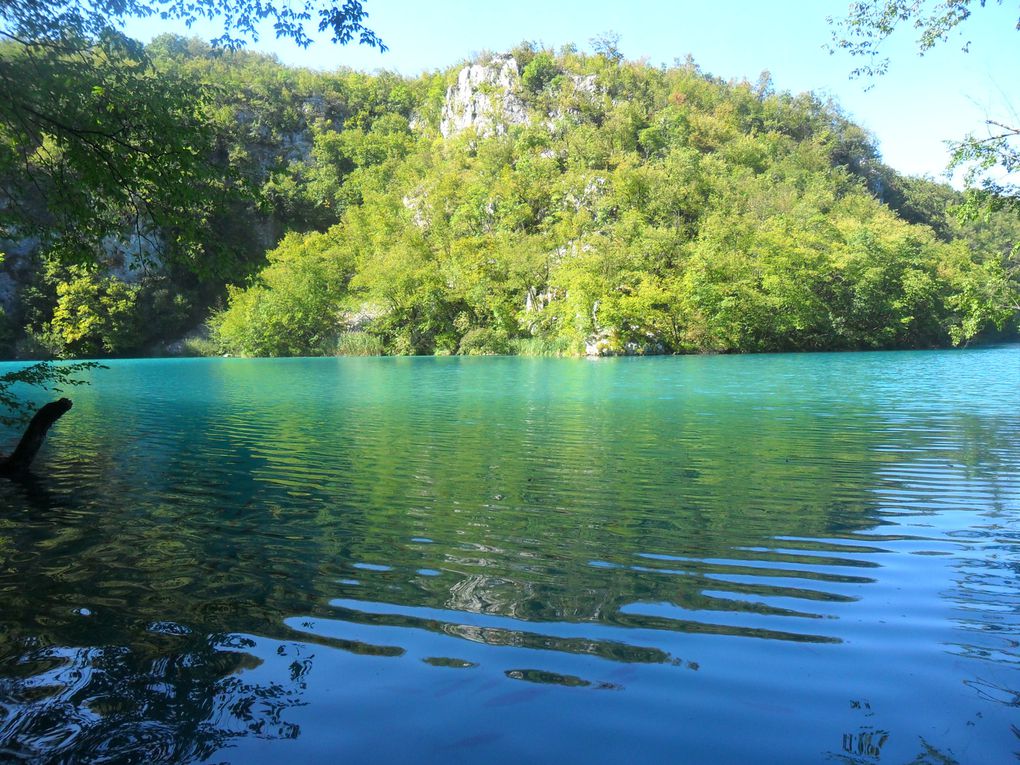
791	558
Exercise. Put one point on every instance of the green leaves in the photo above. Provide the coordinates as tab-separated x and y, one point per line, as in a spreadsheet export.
989	158
296	306
102	147
868	23
640	210
53	22
98	147
540	72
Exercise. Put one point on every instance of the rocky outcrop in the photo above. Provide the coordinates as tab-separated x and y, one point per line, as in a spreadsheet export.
361	319
416	204
485	98
582	88
488	98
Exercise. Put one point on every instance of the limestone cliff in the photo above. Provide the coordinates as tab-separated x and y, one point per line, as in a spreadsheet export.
490	98
486	98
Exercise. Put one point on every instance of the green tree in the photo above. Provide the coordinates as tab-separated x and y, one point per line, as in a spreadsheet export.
95	317
539	72
66	21
294	306
93	145
869	23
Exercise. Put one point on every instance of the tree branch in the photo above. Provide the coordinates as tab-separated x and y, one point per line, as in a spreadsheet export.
17	465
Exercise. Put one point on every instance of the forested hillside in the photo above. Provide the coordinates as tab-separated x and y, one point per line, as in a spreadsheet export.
537	202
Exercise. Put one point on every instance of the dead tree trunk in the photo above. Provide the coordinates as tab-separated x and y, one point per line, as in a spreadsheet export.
20	460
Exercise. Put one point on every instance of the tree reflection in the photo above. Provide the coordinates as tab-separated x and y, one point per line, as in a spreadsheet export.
90	669
177	699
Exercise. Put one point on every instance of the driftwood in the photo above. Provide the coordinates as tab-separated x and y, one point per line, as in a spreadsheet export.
18	463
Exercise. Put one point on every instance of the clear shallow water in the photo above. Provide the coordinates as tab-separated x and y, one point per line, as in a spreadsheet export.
793	558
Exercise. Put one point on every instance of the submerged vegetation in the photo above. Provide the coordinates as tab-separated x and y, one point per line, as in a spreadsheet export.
539	203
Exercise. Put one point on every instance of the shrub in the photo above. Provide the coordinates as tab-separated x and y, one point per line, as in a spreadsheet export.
539	72
95	316
292	308
483	341
200	346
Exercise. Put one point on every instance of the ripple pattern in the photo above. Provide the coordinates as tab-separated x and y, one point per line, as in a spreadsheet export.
769	549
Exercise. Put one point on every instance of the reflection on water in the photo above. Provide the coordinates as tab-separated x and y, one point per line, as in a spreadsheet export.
180	700
774	558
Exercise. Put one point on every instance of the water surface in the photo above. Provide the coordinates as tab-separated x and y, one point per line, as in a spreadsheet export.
789	558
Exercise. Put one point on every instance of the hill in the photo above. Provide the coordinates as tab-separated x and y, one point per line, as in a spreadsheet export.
536	202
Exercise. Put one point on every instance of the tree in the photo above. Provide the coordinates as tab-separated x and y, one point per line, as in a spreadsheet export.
55	22
869	23
94	145
607	44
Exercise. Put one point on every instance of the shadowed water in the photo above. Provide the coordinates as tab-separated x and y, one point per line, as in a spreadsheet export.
792	558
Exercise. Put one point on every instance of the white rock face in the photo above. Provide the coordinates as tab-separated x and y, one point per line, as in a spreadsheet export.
487	98
484	98
584	88
359	319
599	344
585	83
419	212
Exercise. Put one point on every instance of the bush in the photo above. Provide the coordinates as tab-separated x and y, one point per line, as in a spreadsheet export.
539	72
293	307
483	341
95	316
200	346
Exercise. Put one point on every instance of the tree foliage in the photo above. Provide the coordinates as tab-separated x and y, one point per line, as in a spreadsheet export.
869	23
65	22
93	144
99	147
15	408
638	211
635	210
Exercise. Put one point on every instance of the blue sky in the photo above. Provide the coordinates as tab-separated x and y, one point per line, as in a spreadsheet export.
921	102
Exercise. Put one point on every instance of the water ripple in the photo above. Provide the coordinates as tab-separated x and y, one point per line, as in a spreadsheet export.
757	555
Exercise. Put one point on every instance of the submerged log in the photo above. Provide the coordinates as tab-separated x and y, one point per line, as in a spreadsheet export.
18	463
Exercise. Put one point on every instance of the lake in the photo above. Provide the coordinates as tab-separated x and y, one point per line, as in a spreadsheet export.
734	559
